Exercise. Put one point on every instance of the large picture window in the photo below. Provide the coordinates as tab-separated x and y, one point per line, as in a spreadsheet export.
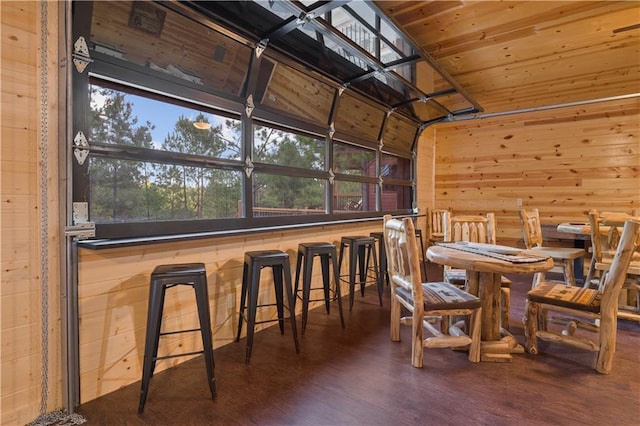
172	147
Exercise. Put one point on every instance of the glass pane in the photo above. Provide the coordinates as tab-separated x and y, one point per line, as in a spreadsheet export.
277	195
395	167
396	197
124	119
354	30
388	55
353	160
282	148
354	196
169	44
399	133
428	110
298	94
396	38
131	191
358	119
330	44
276	7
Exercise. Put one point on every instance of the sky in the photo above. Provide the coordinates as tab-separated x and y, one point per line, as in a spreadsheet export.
162	115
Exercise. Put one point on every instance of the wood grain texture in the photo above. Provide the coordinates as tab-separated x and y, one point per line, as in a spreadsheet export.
338	379
113	294
514	55
563	162
26	267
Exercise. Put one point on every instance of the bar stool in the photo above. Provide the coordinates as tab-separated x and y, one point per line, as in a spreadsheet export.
306	253
382	256
162	278
361	250
254	261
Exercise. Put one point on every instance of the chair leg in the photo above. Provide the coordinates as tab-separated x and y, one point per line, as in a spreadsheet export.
243	299
353	256
537	278
607	331
569	272
417	338
505	302
363	266
202	298
395	317
296	282
288	289
338	291
277	286
306	290
475	334
326	281
252	301
532	310
154	320
379	282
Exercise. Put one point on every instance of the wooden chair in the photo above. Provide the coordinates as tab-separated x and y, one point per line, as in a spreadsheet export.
425	301
435	225
562	256
598	304
604	245
475	229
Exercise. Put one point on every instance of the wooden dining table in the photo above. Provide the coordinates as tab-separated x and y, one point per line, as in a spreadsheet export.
484	275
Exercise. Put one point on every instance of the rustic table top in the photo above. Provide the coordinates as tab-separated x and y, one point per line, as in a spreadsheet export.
484	263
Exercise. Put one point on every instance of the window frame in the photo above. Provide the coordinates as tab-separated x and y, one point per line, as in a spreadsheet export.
119	75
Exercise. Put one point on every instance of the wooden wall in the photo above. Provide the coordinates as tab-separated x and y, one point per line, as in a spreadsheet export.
113	295
561	161
30	254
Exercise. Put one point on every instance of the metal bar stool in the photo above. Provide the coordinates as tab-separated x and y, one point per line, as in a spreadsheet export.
162	278
361	250
306	253
254	261
382	256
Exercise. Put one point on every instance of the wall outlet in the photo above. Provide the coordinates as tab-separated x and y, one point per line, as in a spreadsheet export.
518	202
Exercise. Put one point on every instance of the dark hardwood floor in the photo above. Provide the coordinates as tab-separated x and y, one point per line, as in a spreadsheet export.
357	376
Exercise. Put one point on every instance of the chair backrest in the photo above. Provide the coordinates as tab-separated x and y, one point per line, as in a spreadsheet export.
403	257
606	231
473	229
629	242
531	229
435	224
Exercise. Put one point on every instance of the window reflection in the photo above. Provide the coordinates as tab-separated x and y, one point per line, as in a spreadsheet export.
123	118
352	160
275	146
277	195
135	191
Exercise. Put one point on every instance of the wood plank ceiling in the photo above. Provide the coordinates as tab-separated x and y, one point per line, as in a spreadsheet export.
528	54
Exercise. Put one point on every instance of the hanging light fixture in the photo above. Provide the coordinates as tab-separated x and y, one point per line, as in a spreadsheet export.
201	125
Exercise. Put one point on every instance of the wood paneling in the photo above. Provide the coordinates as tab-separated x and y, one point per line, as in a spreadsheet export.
563	162
26	267
113	295
513	55
350	377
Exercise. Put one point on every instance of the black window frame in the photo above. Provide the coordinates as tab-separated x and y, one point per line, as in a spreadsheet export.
120	74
